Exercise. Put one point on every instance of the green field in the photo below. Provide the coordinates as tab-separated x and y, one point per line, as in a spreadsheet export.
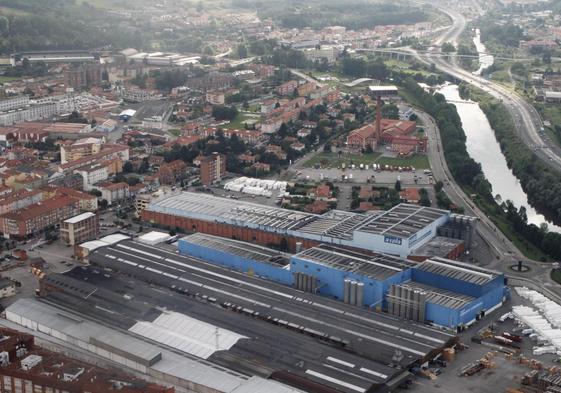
552	113
333	160
4	79
237	123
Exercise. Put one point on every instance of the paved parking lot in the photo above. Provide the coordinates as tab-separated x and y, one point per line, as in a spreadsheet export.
362	176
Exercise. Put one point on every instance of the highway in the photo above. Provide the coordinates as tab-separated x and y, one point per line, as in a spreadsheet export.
526	118
528	124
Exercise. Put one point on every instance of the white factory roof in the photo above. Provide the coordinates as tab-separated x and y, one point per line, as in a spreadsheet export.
104	241
79	217
69	327
187	334
128	112
553	94
383	89
153	237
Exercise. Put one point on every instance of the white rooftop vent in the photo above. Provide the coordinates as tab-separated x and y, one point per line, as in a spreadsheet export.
31	361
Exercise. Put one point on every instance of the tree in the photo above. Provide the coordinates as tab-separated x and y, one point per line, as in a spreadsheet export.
95	192
144	166
390	111
397	186
424	197
448	47
128	167
242	51
221	112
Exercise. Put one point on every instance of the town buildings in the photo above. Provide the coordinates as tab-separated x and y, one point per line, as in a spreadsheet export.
26	367
35	218
398	134
82	76
78	229
213	168
113	192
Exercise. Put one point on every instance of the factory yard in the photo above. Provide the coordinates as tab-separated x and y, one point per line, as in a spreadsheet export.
149	284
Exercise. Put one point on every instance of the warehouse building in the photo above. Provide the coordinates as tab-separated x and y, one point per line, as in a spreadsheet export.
131	354
439	291
457	293
269	328
398	231
244	257
79	229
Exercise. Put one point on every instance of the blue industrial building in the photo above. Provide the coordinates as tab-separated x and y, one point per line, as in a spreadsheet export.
440	291
244	257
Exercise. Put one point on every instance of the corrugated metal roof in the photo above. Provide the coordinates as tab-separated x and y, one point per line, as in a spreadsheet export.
104	241
70	327
187	334
80	217
259	385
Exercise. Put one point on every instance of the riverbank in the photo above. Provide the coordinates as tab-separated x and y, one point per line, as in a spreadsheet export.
539	181
466	171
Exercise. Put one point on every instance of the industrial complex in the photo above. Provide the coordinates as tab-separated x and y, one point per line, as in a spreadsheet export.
440	291
152	309
398	231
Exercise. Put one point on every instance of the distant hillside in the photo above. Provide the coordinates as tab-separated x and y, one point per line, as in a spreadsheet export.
59	24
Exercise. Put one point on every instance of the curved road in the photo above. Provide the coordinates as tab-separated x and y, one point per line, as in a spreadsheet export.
528	123
527	120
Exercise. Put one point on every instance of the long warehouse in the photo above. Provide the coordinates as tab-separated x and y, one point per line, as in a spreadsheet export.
398	231
252	326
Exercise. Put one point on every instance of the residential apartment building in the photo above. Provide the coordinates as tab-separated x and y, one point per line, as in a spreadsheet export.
114	192
86	75
215	98
88	202
108	152
81	148
213	168
141	202
37	217
14	102
29	113
20	200
172	172
79	229
287	88
92	174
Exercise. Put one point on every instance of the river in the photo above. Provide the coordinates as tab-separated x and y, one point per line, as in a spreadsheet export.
483	147
485	60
